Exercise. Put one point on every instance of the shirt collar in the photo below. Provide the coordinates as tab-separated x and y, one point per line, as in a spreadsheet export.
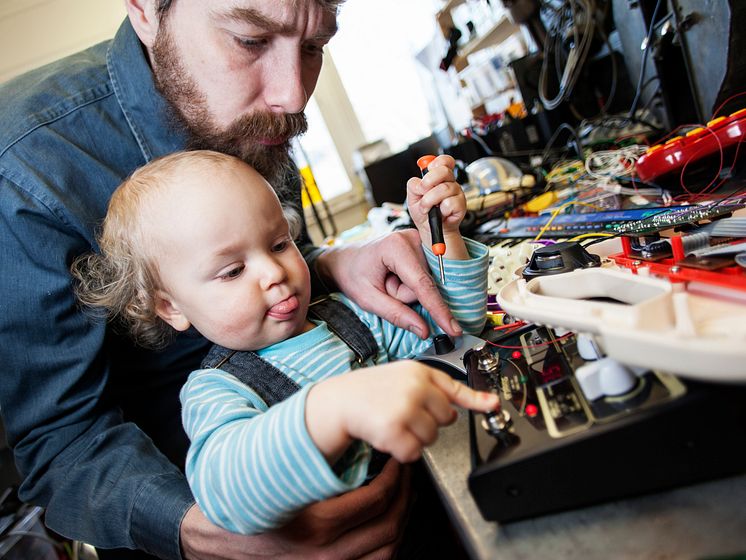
146	111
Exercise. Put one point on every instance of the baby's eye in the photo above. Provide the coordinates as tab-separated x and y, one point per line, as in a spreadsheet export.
280	247
233	273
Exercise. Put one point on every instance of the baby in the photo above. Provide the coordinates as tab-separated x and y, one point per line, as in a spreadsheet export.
199	241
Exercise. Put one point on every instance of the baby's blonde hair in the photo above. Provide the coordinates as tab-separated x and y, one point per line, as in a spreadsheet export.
121	280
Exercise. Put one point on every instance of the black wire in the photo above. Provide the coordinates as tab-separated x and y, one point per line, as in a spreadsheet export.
619	122
479	140
644	61
553	139
614	70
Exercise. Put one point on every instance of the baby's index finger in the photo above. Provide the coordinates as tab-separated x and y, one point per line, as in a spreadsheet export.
464	396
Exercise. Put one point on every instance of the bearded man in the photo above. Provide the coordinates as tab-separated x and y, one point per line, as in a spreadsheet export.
93	420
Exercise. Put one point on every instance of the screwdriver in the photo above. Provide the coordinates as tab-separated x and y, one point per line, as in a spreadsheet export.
435	219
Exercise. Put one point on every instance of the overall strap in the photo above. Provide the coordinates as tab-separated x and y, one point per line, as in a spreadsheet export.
344	323
271	384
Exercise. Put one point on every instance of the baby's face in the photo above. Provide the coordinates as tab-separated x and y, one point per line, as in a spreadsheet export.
227	262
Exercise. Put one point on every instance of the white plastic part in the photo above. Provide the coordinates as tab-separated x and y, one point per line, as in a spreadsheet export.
640	320
505	261
605	378
587	347
491	174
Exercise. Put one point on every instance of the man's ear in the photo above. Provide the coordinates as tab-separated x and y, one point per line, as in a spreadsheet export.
144	20
169	312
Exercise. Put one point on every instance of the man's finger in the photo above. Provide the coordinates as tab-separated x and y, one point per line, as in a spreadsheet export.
396	312
418	279
378	537
397	290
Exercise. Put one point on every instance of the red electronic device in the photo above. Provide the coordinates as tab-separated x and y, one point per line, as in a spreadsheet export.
720	134
677	269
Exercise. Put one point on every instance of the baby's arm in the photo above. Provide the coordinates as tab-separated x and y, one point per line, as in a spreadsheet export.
250	467
397	408
439	187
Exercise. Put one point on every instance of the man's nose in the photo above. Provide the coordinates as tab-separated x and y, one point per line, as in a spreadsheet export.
284	88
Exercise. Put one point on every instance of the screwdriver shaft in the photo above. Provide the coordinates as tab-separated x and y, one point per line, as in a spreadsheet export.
435	220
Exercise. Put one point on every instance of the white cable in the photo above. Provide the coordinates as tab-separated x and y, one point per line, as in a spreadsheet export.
613	163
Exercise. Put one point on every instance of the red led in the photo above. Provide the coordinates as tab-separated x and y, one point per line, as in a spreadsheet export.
516	355
531	410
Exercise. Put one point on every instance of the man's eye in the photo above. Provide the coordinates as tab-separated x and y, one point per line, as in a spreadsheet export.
280	247
251	44
233	273
316	50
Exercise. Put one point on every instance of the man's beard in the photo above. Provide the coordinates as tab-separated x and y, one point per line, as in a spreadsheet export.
242	137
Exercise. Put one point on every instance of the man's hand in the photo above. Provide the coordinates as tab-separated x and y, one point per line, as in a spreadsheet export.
366	523
385	274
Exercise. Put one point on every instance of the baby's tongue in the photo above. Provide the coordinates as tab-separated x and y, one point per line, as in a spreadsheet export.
285	306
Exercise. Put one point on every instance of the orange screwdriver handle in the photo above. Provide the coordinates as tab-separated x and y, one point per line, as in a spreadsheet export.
434	217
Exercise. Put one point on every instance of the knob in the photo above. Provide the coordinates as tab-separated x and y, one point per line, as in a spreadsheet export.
558	258
498	424
587	347
605	377
496	421
443	344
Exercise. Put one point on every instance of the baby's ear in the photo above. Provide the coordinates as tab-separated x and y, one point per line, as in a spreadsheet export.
167	310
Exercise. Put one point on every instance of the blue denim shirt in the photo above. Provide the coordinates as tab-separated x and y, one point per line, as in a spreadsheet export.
93	420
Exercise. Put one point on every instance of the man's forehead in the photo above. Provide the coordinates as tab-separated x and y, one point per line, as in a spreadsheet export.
285	16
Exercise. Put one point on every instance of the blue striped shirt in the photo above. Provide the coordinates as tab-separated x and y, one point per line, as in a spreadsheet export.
252	467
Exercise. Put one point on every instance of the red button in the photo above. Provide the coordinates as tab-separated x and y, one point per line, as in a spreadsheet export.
516	355
531	410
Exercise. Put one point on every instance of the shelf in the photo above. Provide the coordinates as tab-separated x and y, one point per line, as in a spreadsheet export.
502	30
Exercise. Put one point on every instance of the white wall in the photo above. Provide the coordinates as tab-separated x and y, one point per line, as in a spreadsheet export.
34	32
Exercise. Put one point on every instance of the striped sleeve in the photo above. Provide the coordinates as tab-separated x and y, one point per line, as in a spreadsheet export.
465	290
251	467
465	293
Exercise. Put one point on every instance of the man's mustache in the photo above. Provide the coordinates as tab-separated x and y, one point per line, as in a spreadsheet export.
269	125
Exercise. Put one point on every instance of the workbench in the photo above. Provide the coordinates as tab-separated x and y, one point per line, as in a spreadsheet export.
704	520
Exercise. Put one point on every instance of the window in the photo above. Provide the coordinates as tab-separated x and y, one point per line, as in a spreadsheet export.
316	149
374	52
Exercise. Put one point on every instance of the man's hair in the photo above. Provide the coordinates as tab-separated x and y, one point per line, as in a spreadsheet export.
119	283
163	6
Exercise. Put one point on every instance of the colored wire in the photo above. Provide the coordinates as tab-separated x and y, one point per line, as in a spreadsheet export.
724	103
693	157
565	172
539	345
586	235
515	325
556	212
